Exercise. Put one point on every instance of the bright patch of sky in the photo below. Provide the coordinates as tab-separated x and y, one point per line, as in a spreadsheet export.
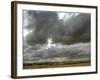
25	32
25	20
66	16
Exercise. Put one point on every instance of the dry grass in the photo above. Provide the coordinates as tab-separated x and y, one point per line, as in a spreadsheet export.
56	64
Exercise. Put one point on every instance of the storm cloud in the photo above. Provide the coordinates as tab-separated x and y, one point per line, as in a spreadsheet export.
62	27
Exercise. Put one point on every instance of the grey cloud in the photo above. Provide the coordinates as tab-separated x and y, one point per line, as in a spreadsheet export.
67	52
47	24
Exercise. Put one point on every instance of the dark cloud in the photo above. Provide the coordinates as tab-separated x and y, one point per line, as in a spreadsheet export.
46	24
78	28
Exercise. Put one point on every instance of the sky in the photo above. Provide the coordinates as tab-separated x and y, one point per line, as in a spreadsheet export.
62	27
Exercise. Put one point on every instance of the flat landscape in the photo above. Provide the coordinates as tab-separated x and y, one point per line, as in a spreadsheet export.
57	56
73	63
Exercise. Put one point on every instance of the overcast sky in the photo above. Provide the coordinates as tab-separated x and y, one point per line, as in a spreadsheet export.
62	27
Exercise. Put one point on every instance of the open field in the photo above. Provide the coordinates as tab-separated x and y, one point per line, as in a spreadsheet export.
72	63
